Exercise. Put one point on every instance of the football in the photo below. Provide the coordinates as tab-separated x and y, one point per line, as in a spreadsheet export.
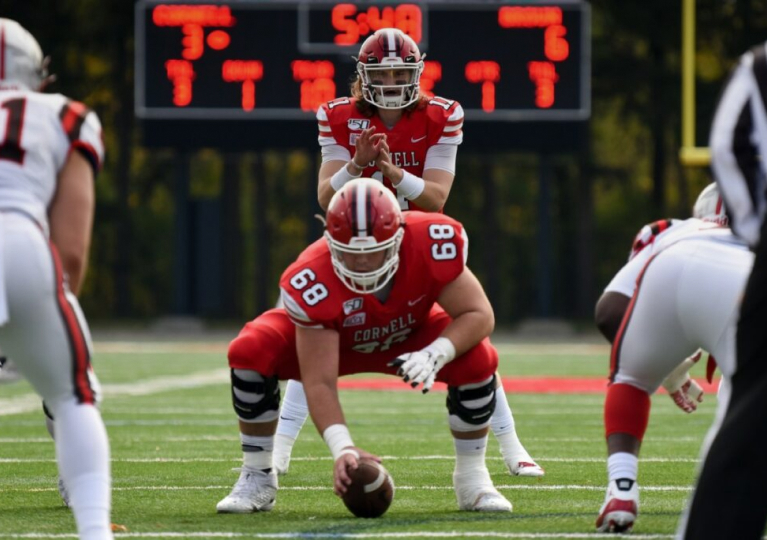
371	491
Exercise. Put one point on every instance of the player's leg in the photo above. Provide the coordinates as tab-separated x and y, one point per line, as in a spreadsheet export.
648	345
516	458
47	338
293	415
255	357
470	403
732	456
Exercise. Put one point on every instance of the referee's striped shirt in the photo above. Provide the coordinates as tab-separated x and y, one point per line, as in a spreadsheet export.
738	139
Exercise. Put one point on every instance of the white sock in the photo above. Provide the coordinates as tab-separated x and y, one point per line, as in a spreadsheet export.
257	451
82	451
470	455
503	427
622	465
293	412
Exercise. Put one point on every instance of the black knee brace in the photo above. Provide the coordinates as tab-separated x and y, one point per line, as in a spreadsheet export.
269	389
481	415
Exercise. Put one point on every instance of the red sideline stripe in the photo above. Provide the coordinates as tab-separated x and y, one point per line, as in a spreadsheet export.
519	385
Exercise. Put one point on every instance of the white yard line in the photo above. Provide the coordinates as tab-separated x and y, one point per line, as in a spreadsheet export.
31	402
424	534
542	459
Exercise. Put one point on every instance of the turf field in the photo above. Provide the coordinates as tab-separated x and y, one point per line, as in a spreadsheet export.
175	447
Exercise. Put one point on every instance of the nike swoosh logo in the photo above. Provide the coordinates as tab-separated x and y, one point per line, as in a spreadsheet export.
411	303
414	140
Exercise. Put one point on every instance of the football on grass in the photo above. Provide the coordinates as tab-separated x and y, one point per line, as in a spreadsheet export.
371	491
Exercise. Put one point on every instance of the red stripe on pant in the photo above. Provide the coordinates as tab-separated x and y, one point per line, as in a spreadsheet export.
77	343
618	341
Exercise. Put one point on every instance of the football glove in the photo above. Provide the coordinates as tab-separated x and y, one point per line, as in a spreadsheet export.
422	366
684	391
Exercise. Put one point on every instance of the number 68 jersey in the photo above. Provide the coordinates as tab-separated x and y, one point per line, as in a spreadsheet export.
432	254
37	132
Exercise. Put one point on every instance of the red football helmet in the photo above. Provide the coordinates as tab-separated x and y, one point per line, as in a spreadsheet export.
390	67
364	217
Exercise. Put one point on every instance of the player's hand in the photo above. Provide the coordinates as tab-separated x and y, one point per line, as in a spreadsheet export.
384	164
684	391
422	366
688	396
366	147
345	465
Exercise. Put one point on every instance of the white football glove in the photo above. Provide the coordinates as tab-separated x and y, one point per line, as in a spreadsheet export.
684	391
422	366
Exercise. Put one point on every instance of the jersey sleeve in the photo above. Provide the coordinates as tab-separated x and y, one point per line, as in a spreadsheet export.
83	131
296	312
648	234
451	118
442	245
325	137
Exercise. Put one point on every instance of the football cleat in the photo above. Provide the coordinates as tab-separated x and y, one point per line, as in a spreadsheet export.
476	493
620	508
255	491
64	493
523	465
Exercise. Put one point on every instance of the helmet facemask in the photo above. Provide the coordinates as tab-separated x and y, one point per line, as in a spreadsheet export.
373	280
397	95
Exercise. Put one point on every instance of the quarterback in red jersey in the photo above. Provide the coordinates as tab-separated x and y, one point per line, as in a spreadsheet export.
389	130
382	292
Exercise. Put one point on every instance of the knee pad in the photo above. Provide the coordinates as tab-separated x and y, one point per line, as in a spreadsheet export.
470	406
255	398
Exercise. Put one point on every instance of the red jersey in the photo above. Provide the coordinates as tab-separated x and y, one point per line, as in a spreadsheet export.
431	256
438	121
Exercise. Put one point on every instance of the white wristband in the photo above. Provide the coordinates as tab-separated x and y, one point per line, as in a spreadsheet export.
343	175
444	347
338	439
411	186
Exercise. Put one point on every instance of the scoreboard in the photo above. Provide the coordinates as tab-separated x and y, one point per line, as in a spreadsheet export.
220	63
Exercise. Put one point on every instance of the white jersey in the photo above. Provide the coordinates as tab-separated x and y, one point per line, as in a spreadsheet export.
655	237
37	132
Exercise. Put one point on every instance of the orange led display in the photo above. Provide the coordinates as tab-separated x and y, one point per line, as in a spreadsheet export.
354	25
432	74
544	75
201	15
529	17
488	73
181	74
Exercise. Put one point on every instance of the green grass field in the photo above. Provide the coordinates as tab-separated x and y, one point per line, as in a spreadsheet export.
175	444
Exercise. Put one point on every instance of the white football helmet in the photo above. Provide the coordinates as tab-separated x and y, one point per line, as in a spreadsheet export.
710	206
22	64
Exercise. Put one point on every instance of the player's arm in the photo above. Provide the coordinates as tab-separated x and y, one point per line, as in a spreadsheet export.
465	301
318	352
71	217
339	167
430	192
318	357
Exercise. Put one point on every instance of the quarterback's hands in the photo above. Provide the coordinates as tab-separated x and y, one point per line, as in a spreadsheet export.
684	391
384	164
347	462
422	366
367	146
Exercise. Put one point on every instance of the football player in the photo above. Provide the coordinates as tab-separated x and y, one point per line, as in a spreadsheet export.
679	292
390	130
383	292
50	151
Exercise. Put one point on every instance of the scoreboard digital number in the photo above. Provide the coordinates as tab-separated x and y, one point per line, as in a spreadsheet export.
277	60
